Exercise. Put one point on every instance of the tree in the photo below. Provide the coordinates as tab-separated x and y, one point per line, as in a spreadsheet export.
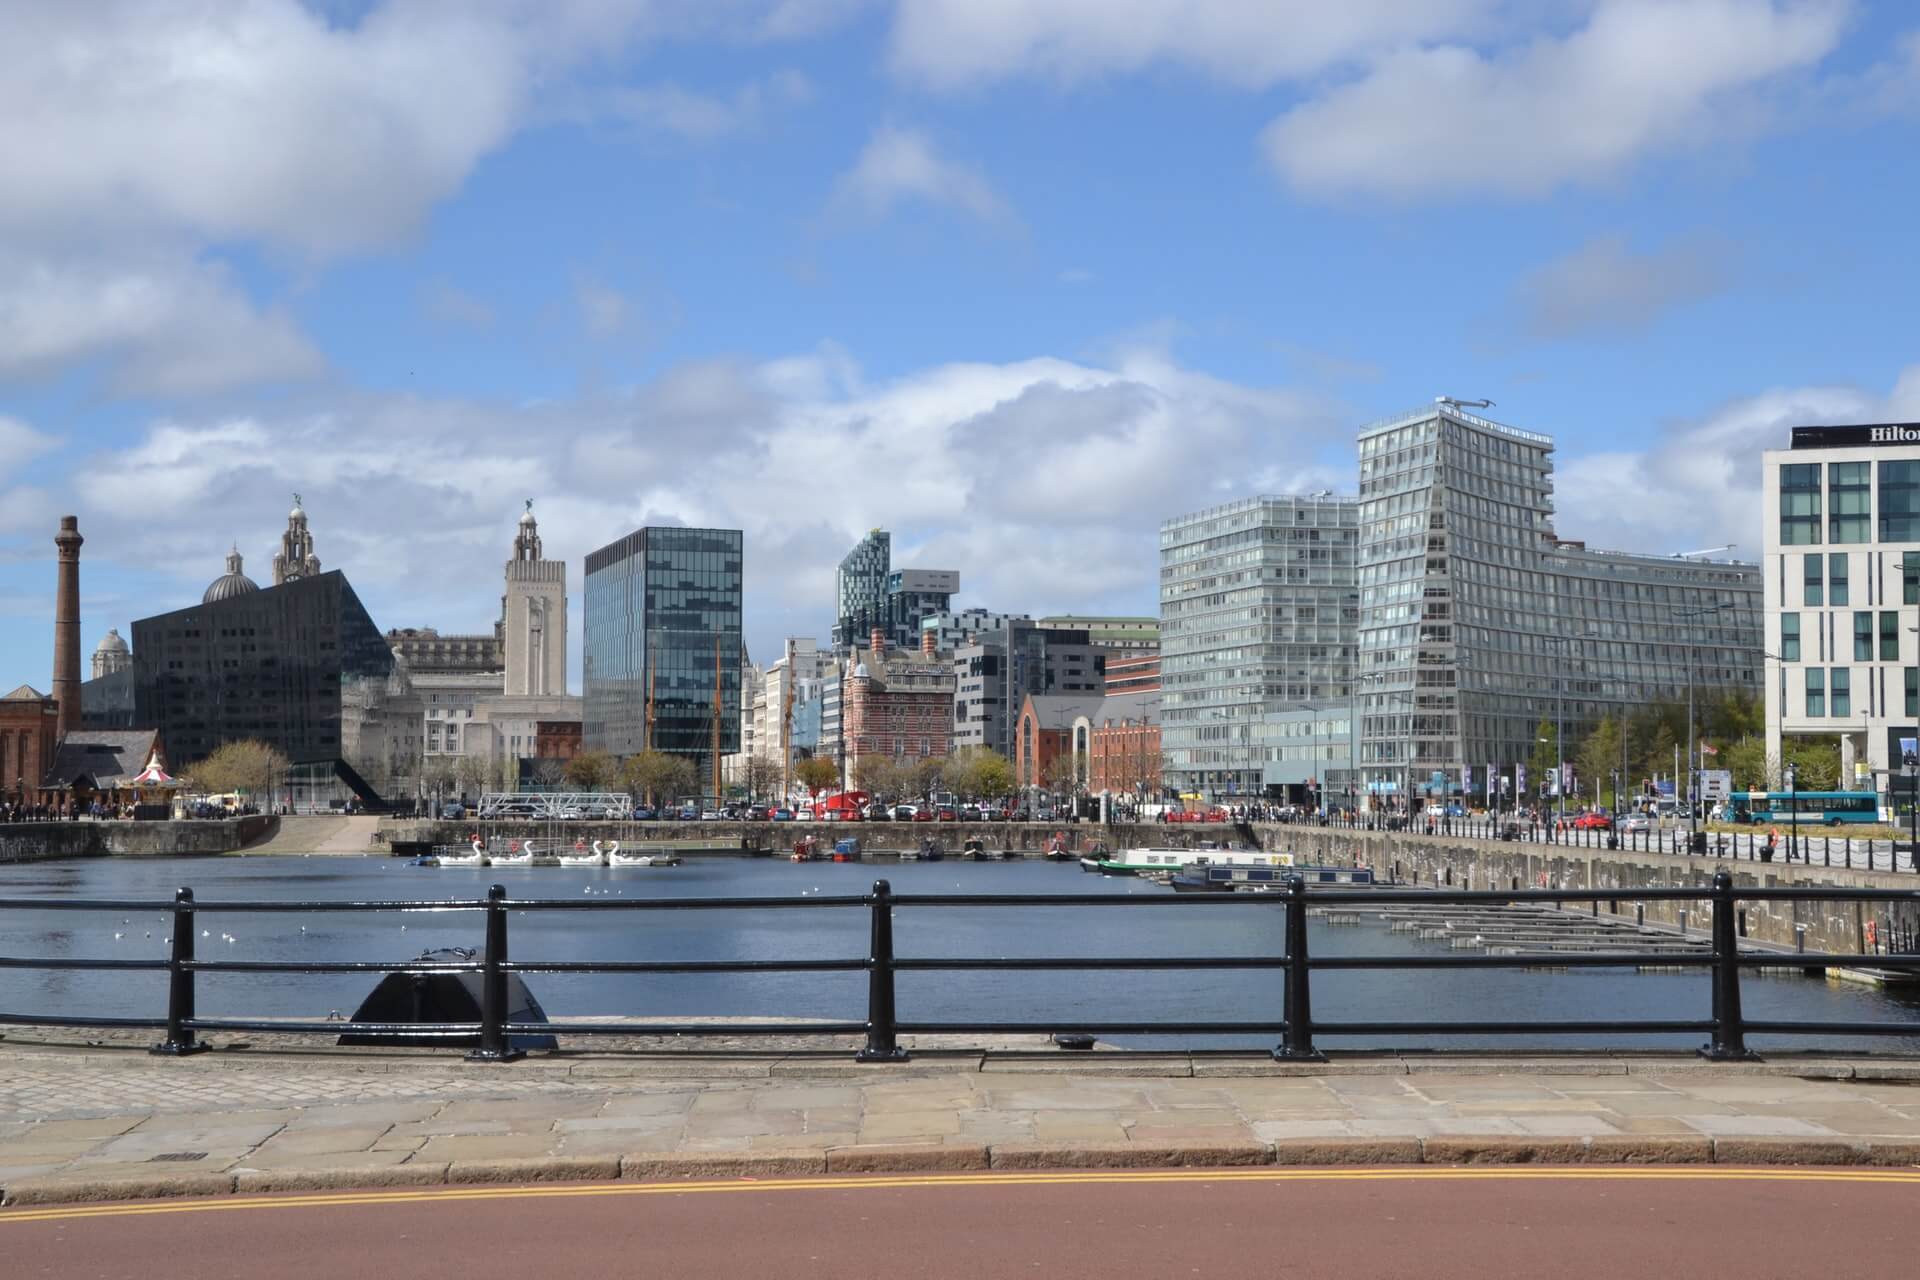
436	775
658	776
248	765
927	775
879	776
1660	756
993	776
471	772
1752	768
817	774
1598	757
1815	761
1059	775
763	777
549	772
592	770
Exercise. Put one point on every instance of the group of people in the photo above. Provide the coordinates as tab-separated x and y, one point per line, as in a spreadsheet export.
15	811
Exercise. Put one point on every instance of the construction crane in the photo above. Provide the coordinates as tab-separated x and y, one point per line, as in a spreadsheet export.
1458	403
1704	551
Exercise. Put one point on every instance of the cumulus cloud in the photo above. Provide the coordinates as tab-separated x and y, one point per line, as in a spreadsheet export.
672	108
1043	481
1699	485
1640	76
1607	287
902	165
21	444
947	44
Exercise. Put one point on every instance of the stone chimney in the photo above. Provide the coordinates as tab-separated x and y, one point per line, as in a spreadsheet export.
928	645
66	626
879	643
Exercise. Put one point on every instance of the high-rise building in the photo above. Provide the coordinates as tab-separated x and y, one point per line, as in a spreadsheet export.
662	654
914	595
1477	622
295	559
1117	635
1259	604
956	627
1841	508
534	616
860	590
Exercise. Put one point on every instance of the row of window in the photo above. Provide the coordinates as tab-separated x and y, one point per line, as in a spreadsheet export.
1849	502
1829	693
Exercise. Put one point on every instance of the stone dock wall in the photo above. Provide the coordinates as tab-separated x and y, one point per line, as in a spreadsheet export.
44	841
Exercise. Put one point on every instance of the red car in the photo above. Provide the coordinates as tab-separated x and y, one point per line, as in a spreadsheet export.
923	814
946	814
1593	822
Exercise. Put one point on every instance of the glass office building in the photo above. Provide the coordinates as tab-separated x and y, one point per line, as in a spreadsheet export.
272	665
1258	612
663	643
1477	622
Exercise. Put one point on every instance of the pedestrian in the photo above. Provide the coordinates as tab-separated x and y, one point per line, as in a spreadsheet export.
1773	842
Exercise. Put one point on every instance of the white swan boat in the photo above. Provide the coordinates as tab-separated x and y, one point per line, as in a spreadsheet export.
596	857
615	858
522	857
478	858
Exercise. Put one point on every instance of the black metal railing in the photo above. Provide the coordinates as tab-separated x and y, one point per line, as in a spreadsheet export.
1297	1028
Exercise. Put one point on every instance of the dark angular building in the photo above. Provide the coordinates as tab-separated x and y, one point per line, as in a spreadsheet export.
662	638
248	663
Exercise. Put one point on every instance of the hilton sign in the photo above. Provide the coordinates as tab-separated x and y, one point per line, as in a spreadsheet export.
1881	433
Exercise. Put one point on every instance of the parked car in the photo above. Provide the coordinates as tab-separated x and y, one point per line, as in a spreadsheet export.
946	813
905	813
878	812
1636	822
804	813
711	815
569	815
453	812
689	813
782	815
642	813
923	813
1593	822
969	813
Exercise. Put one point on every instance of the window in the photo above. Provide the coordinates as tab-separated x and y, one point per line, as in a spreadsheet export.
1816	692
1800	504
1913	693
1863	637
1842	693
1910	578
1790	637
1813	580
1850	502
1900	502
1889	636
1837	578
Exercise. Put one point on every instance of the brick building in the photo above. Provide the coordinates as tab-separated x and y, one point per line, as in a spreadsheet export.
1123	747
29	739
556	739
897	703
1133	673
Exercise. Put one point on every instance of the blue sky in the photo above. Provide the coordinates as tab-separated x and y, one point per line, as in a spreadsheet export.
1014	279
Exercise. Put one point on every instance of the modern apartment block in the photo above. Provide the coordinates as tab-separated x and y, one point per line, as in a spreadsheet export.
663	660
860	590
1477	621
996	673
956	627
1117	635
1842	574
1259	609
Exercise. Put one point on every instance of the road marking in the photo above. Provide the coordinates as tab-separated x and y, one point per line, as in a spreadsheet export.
882	1182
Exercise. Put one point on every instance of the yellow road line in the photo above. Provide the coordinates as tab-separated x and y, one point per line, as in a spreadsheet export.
881	1182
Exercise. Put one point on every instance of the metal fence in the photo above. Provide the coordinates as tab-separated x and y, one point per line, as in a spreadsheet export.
1297	1030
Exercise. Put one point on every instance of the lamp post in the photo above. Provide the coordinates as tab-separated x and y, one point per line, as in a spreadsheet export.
1793	813
1693	746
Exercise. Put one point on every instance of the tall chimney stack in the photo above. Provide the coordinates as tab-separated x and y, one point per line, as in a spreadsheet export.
879	642
66	626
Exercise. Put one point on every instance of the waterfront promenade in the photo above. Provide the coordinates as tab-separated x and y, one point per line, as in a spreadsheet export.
82	1122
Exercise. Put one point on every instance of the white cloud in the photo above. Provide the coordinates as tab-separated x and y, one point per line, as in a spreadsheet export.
900	165
21	444
1607	287
604	310
448	304
700	117
946	44
1043	481
1641	76
1700	484
165	323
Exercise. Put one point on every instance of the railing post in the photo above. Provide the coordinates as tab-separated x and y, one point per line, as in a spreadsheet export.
1729	1042
883	1044
493	1045
180	1039
1298	1045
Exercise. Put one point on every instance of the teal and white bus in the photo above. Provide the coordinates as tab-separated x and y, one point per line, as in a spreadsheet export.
1830	808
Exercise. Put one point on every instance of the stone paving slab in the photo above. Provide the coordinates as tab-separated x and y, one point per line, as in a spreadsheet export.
74	1128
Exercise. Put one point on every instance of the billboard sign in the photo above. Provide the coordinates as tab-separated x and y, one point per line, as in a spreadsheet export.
1716	784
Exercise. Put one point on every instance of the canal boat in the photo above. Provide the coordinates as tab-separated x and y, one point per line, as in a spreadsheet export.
1205	878
1143	861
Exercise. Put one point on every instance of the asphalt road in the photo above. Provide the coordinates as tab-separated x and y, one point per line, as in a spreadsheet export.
1430	1223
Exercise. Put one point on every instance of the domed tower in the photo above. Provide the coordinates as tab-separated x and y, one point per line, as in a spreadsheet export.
111	655
534	616
295	559
232	583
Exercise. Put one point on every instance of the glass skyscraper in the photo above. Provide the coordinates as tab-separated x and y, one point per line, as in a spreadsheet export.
860	590
1258	611
663	612
1477	622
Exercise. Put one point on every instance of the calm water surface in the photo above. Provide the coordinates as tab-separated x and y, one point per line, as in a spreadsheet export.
1252	927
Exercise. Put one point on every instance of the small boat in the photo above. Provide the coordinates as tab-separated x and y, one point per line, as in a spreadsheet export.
659	858
1132	862
478	858
975	850
1057	850
517	855
1199	878
582	856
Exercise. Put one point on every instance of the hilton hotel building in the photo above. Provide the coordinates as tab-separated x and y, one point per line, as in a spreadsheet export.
1842	511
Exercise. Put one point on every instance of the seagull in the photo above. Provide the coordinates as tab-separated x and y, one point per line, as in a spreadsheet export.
206	933
118	936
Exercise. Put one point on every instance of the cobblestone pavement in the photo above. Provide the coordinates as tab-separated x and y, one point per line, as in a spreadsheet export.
108	1116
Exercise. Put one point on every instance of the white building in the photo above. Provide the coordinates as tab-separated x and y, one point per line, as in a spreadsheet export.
534	617
1842	512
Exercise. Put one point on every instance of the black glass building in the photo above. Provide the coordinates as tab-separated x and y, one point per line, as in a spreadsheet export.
662	643
860	590
268	664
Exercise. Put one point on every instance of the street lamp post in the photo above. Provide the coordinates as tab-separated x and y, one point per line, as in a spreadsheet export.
1793	812
1693	746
